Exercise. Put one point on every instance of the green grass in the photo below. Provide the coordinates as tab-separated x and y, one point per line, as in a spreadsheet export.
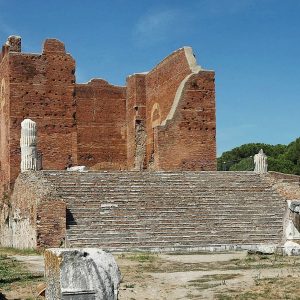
216	277
150	262
199	252
267	288
211	281
14	251
224	297
205	286
140	257
12	272
285	285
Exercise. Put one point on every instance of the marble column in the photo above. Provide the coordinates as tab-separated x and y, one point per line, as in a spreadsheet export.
28	145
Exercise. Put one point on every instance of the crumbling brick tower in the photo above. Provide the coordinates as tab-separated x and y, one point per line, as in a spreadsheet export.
41	87
161	120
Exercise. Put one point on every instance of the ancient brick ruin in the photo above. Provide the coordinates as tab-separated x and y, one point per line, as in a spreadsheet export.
161	120
150	149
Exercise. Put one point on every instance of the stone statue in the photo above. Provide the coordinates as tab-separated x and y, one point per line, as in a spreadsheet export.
28	143
260	162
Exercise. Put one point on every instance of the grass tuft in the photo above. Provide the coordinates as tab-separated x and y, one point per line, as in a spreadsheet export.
14	251
12	272
140	257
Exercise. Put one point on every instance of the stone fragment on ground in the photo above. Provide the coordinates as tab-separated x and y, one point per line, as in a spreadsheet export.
90	273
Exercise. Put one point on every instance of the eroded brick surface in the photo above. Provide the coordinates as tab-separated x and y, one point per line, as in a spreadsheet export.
101	125
36	215
161	120
193	124
188	141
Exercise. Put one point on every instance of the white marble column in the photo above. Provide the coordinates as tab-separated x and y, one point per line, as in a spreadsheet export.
28	145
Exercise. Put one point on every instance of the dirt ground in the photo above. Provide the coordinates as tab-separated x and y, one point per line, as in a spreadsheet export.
236	275
209	276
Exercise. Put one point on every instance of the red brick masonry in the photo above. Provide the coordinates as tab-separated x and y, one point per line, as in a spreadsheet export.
162	120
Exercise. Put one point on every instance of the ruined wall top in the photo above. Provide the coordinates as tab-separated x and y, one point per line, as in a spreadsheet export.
14	43
53	46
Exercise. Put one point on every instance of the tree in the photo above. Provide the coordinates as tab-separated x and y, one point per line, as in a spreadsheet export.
281	158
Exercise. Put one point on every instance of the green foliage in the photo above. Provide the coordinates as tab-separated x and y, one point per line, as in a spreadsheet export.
281	165
245	164
281	158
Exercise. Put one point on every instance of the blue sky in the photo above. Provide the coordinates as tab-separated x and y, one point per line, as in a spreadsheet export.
253	46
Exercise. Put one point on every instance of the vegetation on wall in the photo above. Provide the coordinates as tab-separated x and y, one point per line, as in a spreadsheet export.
281	158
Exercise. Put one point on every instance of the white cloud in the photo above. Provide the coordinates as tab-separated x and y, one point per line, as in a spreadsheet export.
164	24
155	27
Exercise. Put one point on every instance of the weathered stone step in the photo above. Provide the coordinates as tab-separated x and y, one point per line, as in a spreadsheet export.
158	242
148	210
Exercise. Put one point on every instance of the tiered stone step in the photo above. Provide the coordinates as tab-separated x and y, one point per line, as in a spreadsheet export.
150	210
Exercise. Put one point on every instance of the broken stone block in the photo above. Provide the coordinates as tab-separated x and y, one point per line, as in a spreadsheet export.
291	248
77	169
294	205
291	232
87	273
263	249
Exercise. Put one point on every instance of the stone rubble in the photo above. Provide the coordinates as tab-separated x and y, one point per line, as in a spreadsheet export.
87	273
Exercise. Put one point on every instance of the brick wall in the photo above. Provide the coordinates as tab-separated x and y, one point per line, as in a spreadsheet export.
51	223
162	120
161	85
36	217
42	89
172	108
136	121
101	125
188	140
4	122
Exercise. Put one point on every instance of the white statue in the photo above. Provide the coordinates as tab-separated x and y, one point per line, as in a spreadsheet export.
28	143
260	162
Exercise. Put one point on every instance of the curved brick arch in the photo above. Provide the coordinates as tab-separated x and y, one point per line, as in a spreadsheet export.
155	115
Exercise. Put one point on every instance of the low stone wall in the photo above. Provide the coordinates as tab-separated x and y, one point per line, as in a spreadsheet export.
285	177
34	217
5	235
287	185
